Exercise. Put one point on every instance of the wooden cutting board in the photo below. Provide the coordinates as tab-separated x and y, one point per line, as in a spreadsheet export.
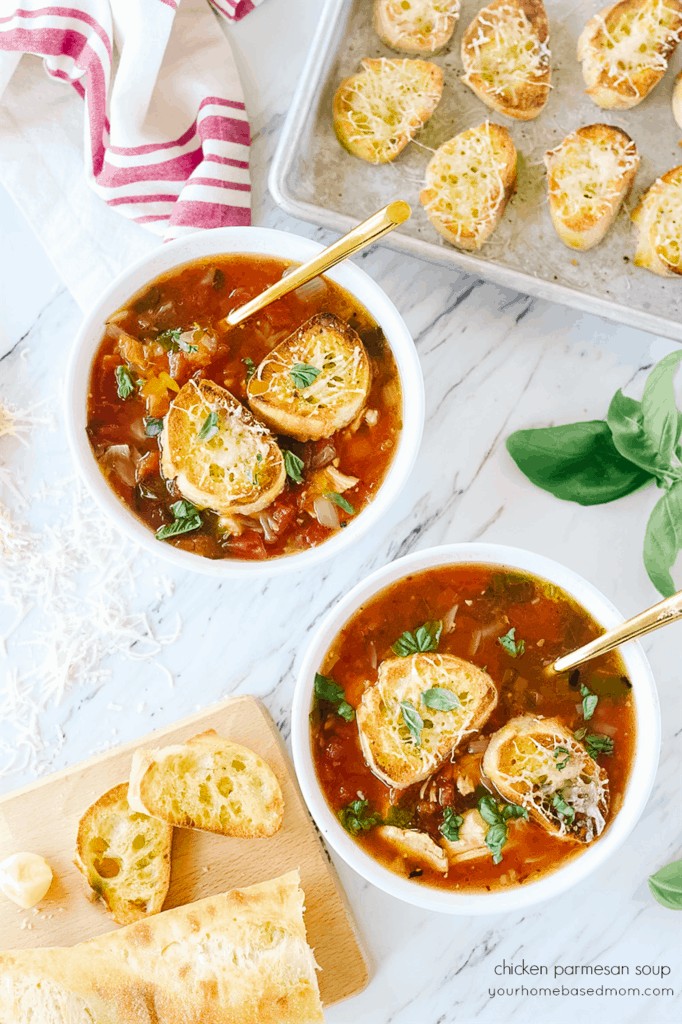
43	818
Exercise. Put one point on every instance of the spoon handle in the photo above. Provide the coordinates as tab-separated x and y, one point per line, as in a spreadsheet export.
646	622
359	237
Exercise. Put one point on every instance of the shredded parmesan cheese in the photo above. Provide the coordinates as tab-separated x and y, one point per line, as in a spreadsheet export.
421	20
587	173
507	54
637	41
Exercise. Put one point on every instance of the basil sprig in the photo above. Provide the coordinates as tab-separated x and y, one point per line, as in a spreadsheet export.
511	645
602	460
424	638
356	817
496	817
451	824
328	689
666	885
293	466
186	517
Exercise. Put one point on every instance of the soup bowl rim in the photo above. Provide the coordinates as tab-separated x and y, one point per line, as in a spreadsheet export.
576	870
243	241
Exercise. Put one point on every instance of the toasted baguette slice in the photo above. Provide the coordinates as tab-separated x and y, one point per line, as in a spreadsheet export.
589	175
677	100
658	217
506	57
338	383
124	856
625	48
415	26
387	745
379	110
537	763
469	182
235	467
413	847
235	958
208	783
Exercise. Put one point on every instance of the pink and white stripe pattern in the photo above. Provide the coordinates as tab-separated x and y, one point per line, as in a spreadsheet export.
166	132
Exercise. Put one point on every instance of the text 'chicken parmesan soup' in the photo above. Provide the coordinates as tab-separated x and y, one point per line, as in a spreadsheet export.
245	442
447	747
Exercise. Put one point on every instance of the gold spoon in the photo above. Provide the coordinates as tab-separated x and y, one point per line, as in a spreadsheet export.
359	237
647	621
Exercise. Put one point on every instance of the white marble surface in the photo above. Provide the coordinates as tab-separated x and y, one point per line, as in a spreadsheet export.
493	361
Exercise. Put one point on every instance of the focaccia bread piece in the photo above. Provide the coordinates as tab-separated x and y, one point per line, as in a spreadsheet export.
208	783
538	763
506	57
236	958
416	26
314	382
625	48
589	175
220	456
388	746
124	856
658	217
380	109
469	181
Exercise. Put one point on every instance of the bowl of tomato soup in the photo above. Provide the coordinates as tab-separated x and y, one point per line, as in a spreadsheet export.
440	755
238	451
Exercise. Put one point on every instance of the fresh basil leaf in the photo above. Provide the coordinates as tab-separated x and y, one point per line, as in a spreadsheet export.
346	711
666	885
413	720
596	744
425	638
209	427
328	689
169	339
576	462
488	809
513	811
303	375
179	526
398	816
580	734
125	385
339	500
511	645
153	425
250	367
590	701
495	840
563	809
439	699
356	817
451	824
561	757
293	466
659	407
663	539
183	509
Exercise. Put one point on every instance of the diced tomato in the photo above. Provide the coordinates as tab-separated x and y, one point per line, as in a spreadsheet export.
249	545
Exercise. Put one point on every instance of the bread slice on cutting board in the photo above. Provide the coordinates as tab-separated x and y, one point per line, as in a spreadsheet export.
416	26
219	455
537	763
235	958
314	382
589	175
469	181
208	783
506	57
124	856
389	749
625	49
381	108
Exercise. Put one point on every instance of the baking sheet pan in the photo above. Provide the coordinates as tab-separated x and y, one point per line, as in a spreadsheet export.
314	178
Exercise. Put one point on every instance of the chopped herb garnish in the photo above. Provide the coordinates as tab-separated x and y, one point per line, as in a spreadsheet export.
293	465
153	425
497	817
328	689
590	701
172	340
250	367
580	734
563	809
425	638
339	500
356	817
597	744
186	517
452	822
439	699
561	756
303	375
511	645
125	385
398	816
209	427
413	721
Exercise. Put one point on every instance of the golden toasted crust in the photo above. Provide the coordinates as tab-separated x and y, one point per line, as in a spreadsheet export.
625	48
237	468
537	763
464	206
388	748
208	783
589	175
238	958
380	109
415	26
506	57
124	856
677	100
334	396
658	217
